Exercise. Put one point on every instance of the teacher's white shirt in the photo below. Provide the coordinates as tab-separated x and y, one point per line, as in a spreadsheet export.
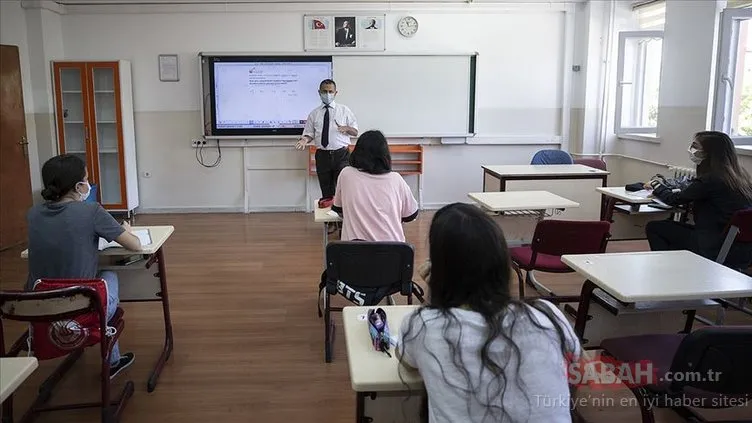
339	114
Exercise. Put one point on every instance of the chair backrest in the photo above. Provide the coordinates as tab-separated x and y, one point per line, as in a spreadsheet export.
559	237
48	306
370	264
739	231
724	350
594	163
548	157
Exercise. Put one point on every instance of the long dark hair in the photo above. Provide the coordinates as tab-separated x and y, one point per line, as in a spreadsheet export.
470	268
371	154
720	161
60	175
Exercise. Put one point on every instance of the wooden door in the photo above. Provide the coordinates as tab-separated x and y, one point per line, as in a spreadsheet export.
15	178
106	138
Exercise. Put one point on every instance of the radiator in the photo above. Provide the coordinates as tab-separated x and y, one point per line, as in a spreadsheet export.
683	172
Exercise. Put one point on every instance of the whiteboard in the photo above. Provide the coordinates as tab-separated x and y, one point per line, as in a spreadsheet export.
408	95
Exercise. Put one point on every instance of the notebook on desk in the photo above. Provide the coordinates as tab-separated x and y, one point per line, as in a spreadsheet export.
142	234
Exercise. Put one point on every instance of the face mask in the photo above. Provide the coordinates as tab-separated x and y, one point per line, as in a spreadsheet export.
88	191
695	155
326	98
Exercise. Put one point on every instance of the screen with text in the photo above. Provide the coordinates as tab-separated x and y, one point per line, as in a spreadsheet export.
266	95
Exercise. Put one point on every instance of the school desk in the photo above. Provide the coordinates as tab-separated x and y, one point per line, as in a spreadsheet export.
373	373
13	372
505	173
632	204
138	282
324	216
648	292
534	203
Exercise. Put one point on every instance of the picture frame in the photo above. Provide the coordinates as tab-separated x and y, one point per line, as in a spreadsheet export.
169	68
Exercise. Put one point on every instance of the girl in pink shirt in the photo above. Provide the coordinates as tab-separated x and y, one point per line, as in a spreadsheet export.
372	200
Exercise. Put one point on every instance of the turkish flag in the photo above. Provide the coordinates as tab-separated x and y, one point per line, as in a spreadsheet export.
317	24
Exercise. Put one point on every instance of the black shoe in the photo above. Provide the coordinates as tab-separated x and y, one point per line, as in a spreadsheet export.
125	361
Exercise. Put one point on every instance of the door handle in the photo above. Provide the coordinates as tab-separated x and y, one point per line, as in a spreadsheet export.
24	144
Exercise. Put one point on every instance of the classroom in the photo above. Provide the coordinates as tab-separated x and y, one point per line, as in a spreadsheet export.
184	182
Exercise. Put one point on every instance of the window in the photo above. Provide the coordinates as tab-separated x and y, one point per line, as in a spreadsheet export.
638	79
733	96
650	14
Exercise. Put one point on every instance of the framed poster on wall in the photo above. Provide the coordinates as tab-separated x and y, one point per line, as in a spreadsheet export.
344	32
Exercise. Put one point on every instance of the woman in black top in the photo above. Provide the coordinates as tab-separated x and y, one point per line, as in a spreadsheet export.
721	188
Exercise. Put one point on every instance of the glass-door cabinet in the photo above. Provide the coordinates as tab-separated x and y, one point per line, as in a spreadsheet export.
94	114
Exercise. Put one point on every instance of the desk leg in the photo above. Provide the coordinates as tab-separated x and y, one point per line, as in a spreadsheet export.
582	310
604	183
167	350
360	407
610	202
326	241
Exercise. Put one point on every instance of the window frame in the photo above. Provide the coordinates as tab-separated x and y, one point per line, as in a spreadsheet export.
640	75
723	101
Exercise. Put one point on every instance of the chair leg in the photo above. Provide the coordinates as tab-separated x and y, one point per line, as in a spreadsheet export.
520	280
327	330
7	412
646	410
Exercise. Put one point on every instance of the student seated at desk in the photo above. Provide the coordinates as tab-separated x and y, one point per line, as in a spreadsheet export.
372	200
721	188
64	235
483	356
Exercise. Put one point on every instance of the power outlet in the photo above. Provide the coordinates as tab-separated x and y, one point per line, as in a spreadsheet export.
198	143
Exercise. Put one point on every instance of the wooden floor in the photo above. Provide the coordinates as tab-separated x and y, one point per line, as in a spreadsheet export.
248	342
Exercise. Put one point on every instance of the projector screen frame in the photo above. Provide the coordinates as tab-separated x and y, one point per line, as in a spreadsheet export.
205	92
252	132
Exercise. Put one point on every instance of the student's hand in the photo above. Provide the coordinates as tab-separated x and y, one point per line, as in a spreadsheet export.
647	186
301	144
127	227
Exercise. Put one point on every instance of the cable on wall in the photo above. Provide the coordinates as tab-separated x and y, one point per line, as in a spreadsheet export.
200	156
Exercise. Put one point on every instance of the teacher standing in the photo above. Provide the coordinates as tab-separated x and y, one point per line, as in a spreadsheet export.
329	127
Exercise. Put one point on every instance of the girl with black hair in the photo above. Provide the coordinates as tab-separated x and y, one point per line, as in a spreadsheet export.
485	357
721	188
372	200
64	234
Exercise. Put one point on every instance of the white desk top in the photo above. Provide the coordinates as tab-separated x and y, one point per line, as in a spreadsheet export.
371	370
13	372
322	215
545	170
622	194
521	200
158	234
660	276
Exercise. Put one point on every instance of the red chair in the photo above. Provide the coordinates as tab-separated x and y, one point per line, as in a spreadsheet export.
736	253
738	235
53	306
722	351
553	239
594	163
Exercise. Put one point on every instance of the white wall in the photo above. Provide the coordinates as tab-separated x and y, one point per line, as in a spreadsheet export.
521	90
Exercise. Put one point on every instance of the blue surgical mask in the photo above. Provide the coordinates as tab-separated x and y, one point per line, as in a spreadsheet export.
695	155
327	98
84	196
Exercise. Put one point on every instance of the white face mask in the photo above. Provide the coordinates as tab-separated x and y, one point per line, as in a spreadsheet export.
695	155
326	98
83	196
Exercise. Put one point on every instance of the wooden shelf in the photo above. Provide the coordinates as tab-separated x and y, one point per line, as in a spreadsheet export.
410	158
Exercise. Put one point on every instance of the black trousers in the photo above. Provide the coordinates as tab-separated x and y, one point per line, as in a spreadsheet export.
668	235
329	163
